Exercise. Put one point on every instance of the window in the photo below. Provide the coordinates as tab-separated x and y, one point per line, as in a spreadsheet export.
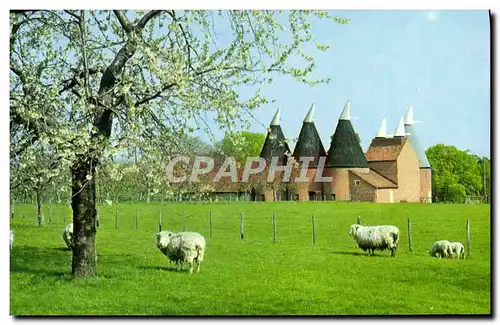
357	182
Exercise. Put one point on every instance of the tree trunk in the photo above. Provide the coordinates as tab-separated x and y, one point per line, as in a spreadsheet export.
39	206
84	220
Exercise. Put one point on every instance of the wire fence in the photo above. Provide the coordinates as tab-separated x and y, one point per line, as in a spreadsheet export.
259	226
235	198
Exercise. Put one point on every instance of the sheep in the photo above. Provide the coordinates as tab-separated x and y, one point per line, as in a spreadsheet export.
11	238
458	249
376	237
67	234
162	241
442	248
182	247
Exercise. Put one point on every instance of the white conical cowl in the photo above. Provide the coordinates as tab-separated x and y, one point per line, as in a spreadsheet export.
346	113
382	131
409	116
400	130
276	118
310	114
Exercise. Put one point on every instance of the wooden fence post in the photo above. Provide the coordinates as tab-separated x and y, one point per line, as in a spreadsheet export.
409	235
241	226
159	220
314	230
468	237
116	216
183	221
274	227
210	225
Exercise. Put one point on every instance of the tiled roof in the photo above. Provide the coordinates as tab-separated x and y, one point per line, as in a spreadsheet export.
309	144
375	179
345	150
275	145
412	137
385	149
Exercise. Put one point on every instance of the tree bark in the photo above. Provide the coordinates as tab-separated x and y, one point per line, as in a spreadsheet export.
39	206
84	220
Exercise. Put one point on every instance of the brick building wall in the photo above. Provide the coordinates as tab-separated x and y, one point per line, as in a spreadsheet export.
361	190
426	185
388	169
383	195
408	175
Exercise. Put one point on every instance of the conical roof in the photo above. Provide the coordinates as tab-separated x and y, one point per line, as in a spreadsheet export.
309	143
275	144
400	129
345	150
382	131
412	137
276	118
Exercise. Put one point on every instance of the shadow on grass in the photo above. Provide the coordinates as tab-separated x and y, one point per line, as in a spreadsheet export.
62	249
359	254
162	268
41	261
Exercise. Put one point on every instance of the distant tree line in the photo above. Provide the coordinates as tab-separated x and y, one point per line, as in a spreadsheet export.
457	174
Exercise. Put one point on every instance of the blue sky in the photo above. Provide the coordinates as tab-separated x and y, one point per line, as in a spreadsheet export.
385	61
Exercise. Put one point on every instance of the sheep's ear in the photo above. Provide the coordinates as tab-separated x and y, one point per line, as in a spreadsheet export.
356	227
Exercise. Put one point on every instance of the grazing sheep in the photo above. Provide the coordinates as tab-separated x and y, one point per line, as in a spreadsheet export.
457	248
11	238
442	248
188	247
376	237
162	241
67	234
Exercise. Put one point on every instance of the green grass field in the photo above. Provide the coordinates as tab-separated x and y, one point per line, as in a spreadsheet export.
255	276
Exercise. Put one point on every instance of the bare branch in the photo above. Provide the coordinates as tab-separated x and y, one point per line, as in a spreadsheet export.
70	83
127	26
156	95
81	25
69	12
147	17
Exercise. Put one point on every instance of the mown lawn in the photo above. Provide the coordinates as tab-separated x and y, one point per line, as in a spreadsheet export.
255	276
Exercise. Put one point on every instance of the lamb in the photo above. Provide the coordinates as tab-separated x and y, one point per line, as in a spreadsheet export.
376	237
442	248
457	249
182	247
67	234
11	238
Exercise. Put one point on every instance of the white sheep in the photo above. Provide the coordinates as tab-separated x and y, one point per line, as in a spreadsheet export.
11	238
457	248
67	234
376	237
441	248
184	247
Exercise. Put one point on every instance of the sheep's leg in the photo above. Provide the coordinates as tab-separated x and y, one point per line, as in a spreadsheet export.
198	267
190	267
